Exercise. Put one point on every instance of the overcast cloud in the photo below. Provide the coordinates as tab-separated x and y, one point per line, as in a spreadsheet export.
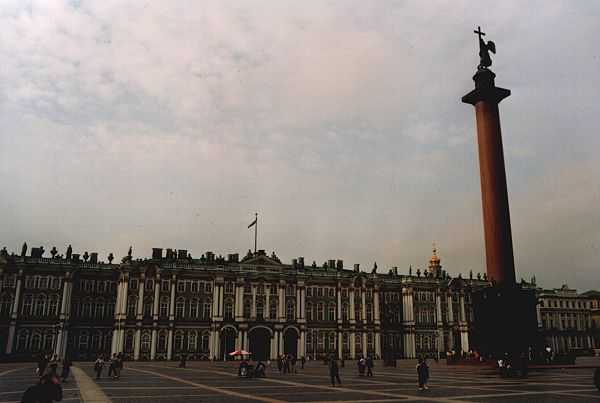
168	124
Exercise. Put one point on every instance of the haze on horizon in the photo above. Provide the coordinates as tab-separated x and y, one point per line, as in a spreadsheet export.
160	124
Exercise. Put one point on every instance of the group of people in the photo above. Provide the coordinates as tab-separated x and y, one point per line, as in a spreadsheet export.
248	371
365	363
115	365
48	365
286	364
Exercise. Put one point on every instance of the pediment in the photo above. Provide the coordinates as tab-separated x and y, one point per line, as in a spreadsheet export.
261	261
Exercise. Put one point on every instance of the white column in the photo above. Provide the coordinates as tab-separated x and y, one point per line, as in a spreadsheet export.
14	314
302	299
140	306
170	345
253	310
280	342
302	349
450	309
221	300
377	336
238	302
274	346
246	341
364	343
340	345
352	346
376	305
352	319
238	341
339	304
215	300
364	305
156	298
267	310
217	351
172	304
281	303
137	339
153	345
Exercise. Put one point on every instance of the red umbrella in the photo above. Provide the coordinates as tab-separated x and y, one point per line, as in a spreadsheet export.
239	352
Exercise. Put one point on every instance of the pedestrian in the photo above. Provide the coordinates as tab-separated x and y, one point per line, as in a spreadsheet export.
98	366
111	365
280	363
302	361
334	371
47	390
182	361
423	373
361	366
42	364
121	358
66	368
293	361
117	365
369	363
54	364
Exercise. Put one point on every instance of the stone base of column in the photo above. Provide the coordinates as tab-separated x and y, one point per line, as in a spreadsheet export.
505	321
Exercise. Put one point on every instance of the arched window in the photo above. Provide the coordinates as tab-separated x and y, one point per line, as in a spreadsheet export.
229	287
131	307
96	341
319	311
22	340
358	343
179	308
36	342
345	312
6	305
331	342
309	342
204	342
40	305
369	308
83	340
86	309
331	312
164	307
48	340
148	305
228	312
27	305
247	307
194	308
273	308
162	342
146	341
206	309
260	308
309	311
129	342
192	341
99	314
179	341
370	342
346	342
290	310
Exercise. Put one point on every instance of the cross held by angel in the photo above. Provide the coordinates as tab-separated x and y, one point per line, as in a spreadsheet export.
485	60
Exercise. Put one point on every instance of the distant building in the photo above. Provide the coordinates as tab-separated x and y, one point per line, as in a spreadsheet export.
566	319
594	298
171	304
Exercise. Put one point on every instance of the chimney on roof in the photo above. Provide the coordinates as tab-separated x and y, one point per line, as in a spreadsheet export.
301	262
157	253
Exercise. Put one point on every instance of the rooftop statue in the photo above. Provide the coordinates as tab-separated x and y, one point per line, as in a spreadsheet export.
485	60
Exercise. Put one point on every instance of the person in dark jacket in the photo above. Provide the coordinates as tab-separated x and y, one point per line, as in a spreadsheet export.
47	390
334	371
369	363
42	364
66	369
98	366
302	361
423	373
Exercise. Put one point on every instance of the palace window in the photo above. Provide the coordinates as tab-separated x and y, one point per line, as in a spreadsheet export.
206	308
133	284
332	292
179	341
319	312
179	308
247	288
345	312
247	308
259	310
320	292
229	287
131	306
6	305
309	291
164	286
228	310
346	342
358	343
208	287
162	342
331	312
55	283
40	305
273	309
370	342
164	307
289	291
309	342
145	342
192	341
260	289
83	341
290	311
331	342
149	284
129	342
194	286
181	286
309	312
148	303
369	313
99	309
193	308
205	340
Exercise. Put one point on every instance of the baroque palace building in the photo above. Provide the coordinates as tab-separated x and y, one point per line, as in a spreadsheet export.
172	304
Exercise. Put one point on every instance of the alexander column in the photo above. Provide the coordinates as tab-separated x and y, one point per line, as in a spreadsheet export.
505	318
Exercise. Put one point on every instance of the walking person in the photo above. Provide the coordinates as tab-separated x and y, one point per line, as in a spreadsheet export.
182	361
279	363
111	365
98	366
53	364
42	364
334	371
369	363
361	366
66	368
302	361
423	373
47	390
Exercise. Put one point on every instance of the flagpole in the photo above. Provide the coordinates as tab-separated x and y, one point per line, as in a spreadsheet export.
255	230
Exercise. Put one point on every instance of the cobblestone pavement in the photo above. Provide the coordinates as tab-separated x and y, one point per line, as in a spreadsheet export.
207	382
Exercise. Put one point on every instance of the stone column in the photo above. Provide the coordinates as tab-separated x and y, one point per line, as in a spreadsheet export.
494	195
352	346
364	304
172	304
267	308
14	314
340	345
170	345
376	306
137	339
156	298
302	349
282	303
352	318
141	286
253	310
153	345
378	344
364	343
239	292
64	315
339	304
302	303
464	331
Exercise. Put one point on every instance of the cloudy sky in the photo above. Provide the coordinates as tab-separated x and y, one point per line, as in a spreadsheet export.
168	124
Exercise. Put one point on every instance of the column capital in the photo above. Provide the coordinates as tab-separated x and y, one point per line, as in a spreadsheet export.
485	89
